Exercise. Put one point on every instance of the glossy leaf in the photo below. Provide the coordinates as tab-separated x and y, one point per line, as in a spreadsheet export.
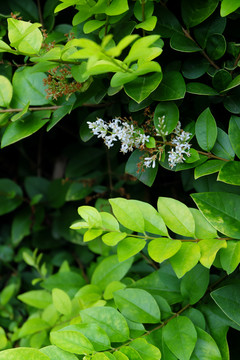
229	173
128	214
110	269
176	216
109	319
229	7
180	337
194	284
6	91
172	87
113	238
234	134
140	88
209	167
90	215
228	299
147	351
216	46
61	301
129	247
57	354
206	130
221	210
203	229
137	305
223	147
205	348
171	113
230	256
200	89
163	248
180	42
185	259
22	353
197	11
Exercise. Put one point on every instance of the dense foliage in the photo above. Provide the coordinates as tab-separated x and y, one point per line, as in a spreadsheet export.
120	175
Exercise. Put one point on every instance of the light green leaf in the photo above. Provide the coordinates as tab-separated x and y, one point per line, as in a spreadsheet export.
176	216
120	356
117	7
234	134
91	234
6	91
222	210
227	7
148	25
90	215
209	167
39	299
209	249
163	248
129	247
172	87
153	222
147	351
110	269
228	299
137	305
143	49
128	214
194	284
61	301
109	319
72	341
230	256
197	11
185	259
18	116
57	354
111	288
7	293
113	238
205	348
21	129
32	326
203	229
130	353
121	78
92	25
180	337
140	88
206	130
22	353
229	173
171	113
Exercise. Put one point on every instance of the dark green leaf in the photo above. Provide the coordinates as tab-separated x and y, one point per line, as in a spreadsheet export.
194	284
216	46
194	67
11	196
230	256
172	87
221	79
234	134
197	11
140	88
223	147
230	173
209	167
200	89
181	43
205	347
206	130
171	113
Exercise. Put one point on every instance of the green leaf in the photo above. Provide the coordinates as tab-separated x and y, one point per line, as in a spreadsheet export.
11	196
137	305
209	167
23	353
216	46
234	134
32	326
141	13
146	350
194	67
176	216
129	247
6	91
222	210
109	319
200	89
68	281
223	147
21	129
90	215
21	226
34	89
110	269
194	284
180	42
7	293
61	301
194	156
92	25
197	11
128	214
180	337
149	24
163	248
39	299
145	175
111	288
227	7
93	333
203	229
230	256
91	234
171	113
18	116
57	354
113	238
167	23
205	348
206	130
153	222
117	7
140	88
130	353
24	36
221	79
234	83
228	299
172	87
72	341
185	259
229	173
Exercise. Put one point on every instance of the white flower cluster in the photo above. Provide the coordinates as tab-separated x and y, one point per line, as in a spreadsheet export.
115	130
181	146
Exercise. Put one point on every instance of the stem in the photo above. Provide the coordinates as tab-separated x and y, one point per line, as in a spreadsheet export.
187	34
55	107
40	12
149	261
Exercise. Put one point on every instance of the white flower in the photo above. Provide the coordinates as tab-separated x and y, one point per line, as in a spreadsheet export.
150	161
181	148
